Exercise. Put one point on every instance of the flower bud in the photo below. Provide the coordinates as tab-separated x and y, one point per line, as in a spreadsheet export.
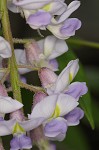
32	52
18	115
38	97
3	91
37	134
47	77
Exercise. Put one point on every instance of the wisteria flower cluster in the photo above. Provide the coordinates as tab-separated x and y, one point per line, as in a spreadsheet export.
56	103
49	14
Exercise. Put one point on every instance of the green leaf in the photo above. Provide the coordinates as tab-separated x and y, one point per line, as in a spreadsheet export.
75	140
85	103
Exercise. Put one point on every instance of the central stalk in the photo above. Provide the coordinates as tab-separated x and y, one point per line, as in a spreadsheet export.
14	77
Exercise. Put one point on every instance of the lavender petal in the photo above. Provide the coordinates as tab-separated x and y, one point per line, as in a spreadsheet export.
54	64
14	143
70	26
73	118
77	89
39	19
20	142
56	129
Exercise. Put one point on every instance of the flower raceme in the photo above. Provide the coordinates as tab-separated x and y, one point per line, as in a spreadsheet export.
41	15
55	129
56	109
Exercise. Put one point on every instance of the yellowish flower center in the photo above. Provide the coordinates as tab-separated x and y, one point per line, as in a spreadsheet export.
47	7
18	129
56	112
70	77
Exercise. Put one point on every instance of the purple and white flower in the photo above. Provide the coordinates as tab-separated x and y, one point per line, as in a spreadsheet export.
61	84
18	129
53	108
42	53
41	15
64	27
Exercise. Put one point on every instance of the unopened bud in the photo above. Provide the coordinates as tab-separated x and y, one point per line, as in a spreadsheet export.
32	52
18	115
3	91
38	97
47	77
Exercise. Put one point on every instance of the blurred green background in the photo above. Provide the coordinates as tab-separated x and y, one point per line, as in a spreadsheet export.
82	137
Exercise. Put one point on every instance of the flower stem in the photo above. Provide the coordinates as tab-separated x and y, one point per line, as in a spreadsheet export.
21	41
83	43
5	76
31	87
69	41
12	61
28	67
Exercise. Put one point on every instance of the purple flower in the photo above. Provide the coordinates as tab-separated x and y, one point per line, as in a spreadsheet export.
61	26
54	84
42	53
56	129
52	15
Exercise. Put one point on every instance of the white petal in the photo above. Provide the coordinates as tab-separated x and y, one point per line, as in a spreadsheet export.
55	29
7	105
55	7
54	47
20	56
41	45
66	104
6	127
12	7
74	67
5	49
70	9
45	108
66	76
21	60
31	4
62	80
49	45
31	124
